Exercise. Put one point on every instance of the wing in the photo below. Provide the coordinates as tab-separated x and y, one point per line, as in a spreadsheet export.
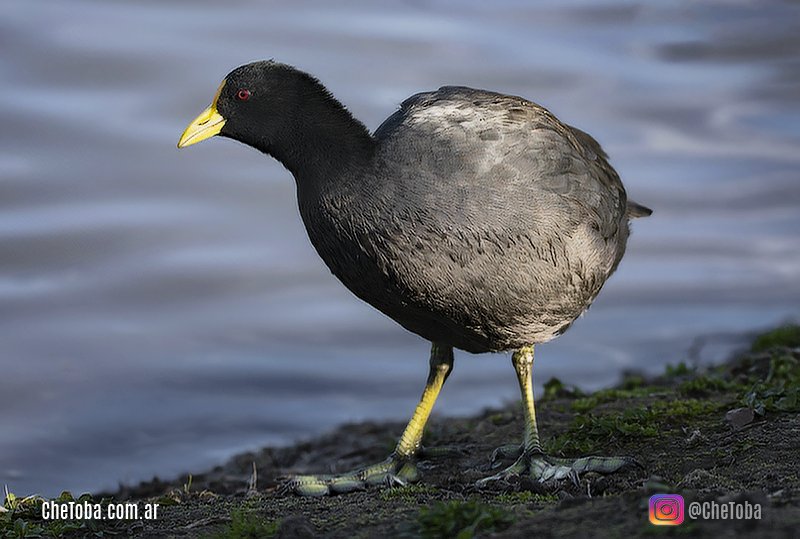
469	154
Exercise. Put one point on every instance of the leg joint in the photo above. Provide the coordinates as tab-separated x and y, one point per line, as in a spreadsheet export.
523	358
441	360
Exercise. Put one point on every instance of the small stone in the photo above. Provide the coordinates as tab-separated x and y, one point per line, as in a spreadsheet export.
739	417
699	479
296	527
572	501
695	437
656	484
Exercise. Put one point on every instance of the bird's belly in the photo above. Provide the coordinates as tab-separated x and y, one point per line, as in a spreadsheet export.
491	313
499	299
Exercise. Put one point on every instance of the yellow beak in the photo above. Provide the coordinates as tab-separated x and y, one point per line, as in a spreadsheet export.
206	125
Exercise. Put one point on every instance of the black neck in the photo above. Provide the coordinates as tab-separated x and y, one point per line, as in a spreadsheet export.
322	141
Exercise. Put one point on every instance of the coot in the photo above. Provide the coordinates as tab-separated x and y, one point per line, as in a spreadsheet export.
474	219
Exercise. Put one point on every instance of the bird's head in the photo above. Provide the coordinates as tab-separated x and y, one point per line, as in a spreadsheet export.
253	104
287	114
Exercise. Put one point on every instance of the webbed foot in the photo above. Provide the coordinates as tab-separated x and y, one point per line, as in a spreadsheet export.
392	471
543	468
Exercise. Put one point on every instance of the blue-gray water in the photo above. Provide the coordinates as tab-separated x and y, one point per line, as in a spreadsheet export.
161	310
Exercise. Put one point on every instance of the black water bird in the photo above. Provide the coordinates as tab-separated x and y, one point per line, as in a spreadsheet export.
474	219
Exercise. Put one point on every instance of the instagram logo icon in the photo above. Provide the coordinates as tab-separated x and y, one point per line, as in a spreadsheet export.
666	509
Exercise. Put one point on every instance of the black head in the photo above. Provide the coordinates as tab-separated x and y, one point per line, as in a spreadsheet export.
252	104
275	108
288	114
260	100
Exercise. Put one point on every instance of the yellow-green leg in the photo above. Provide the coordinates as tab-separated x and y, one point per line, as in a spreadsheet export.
400	467
531	459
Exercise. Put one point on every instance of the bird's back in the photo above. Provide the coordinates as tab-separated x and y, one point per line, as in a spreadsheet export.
489	152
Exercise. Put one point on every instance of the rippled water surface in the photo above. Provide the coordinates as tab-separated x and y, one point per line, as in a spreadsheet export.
163	309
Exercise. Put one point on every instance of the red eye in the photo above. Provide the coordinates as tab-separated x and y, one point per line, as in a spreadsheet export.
243	94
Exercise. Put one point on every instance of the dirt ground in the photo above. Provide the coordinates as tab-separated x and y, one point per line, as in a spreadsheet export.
725	434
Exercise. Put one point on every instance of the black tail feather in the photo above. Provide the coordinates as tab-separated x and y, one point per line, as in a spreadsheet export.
637	210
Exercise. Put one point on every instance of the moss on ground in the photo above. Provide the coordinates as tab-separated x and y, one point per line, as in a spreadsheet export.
408	493
462	519
584	404
780	390
246	524
785	336
524	497
704	385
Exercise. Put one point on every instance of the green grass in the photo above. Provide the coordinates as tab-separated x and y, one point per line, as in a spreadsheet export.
585	404
681	369
632	381
409	493
524	497
555	388
590	432
703	386
779	391
665	411
461	520
784	336
247	524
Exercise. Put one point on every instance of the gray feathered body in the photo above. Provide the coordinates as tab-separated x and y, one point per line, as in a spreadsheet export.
481	221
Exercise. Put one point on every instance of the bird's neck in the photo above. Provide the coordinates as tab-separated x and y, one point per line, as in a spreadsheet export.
323	143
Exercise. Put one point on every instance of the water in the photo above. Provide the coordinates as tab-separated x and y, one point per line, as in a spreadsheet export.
161	310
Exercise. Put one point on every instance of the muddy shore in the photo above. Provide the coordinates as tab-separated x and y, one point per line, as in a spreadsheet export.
728	433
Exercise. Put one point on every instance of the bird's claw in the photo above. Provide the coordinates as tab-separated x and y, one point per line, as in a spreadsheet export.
394	471
543	469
